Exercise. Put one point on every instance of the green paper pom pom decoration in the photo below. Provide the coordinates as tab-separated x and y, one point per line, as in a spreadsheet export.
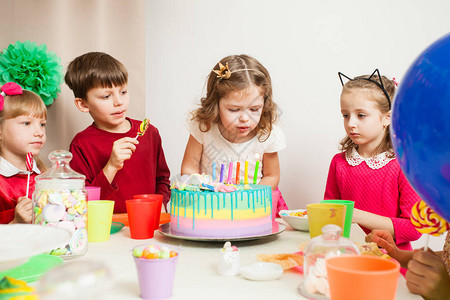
32	67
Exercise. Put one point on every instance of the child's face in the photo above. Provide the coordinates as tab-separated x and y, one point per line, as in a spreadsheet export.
240	112
363	121
21	135
108	107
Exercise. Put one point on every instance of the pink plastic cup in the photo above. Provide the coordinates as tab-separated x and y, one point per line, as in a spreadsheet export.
156	277
141	217
153	197
93	192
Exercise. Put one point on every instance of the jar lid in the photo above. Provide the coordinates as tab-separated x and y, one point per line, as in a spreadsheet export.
60	169
331	241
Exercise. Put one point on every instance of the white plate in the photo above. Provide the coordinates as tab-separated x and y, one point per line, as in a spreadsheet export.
18	242
276	229
262	271
299	223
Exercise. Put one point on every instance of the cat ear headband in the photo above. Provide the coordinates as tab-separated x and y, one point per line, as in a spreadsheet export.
379	84
224	72
9	88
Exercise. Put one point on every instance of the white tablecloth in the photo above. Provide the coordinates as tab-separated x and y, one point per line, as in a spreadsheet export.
196	275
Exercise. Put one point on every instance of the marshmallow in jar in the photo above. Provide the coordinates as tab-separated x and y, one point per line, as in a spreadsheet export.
59	200
329	244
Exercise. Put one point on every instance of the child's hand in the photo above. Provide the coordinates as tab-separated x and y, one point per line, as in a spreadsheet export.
427	276
121	151
384	239
23	211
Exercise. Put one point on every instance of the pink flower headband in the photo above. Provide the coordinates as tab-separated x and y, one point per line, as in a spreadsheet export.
9	88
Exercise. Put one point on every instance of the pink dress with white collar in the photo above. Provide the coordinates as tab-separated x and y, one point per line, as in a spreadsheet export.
377	185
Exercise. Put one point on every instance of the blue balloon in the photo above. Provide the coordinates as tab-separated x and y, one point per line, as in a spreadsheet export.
421	126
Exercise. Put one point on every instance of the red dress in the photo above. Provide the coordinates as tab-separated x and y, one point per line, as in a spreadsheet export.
382	190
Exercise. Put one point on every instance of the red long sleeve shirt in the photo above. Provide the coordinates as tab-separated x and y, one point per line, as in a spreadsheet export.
11	188
385	192
146	172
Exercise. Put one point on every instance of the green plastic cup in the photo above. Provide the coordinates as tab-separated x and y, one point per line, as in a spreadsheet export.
348	213
99	220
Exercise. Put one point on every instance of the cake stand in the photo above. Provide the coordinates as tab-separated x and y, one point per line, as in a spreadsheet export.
277	228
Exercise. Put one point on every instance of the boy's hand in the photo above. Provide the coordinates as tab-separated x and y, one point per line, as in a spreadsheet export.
121	151
23	211
427	276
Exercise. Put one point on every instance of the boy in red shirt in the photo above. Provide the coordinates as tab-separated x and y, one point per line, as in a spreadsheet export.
108	152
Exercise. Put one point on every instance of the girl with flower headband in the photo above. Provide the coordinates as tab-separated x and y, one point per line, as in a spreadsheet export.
367	171
23	116
235	123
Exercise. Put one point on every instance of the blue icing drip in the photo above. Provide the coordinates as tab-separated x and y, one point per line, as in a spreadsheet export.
185	205
231	197
193	211
178	211
264	196
253	196
197	199
212	207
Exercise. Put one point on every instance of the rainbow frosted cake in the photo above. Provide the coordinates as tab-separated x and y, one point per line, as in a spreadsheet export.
227	212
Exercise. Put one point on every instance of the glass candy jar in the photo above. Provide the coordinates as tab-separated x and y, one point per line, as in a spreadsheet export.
59	200
329	244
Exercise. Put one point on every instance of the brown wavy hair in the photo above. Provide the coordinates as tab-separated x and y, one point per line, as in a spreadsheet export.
93	70
26	104
382	103
216	88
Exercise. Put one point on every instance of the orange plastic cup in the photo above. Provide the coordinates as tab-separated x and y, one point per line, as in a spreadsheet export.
362	277
153	197
141	217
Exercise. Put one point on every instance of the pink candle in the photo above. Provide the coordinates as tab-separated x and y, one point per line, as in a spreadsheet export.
230	172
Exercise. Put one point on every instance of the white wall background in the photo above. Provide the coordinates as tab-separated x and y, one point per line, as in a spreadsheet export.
303	44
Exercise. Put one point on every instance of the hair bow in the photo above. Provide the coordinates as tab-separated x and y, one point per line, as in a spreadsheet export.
9	88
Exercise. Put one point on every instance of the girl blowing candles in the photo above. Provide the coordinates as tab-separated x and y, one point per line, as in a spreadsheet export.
367	171
235	121
22	130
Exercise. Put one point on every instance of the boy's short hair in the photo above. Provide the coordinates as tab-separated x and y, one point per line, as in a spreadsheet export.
92	70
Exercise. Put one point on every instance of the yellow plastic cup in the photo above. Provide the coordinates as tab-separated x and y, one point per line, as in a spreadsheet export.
321	214
99	220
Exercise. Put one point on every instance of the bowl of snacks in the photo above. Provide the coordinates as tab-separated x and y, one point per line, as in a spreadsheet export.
297	218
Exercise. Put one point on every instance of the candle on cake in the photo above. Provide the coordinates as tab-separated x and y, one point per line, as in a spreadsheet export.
238	167
230	172
255	176
214	171
246	172
222	169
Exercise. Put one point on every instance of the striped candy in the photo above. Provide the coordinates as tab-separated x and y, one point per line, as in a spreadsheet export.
427	220
29	161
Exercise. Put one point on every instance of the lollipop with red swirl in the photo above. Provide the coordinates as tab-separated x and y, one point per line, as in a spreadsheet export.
143	127
426	220
29	163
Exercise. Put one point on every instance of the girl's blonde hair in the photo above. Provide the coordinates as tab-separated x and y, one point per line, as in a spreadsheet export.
245	72
382	102
26	104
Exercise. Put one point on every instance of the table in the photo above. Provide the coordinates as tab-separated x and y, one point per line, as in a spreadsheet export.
196	276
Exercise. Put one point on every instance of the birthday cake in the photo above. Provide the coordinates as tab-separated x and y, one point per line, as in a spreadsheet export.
205	209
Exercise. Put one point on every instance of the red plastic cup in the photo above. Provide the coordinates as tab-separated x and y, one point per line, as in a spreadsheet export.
153	197
141	217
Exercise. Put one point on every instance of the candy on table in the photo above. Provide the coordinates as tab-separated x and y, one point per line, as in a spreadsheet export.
299	213
143	127
64	209
153	252
11	288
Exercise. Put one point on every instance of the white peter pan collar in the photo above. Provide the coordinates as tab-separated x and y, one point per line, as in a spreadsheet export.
7	169
375	162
